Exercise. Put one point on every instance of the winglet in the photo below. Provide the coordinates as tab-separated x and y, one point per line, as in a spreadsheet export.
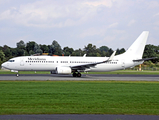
84	55
112	56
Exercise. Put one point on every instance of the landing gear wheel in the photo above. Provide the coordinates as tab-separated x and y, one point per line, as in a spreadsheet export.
74	74
17	75
78	74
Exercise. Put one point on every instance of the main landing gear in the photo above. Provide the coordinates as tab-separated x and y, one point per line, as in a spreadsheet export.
76	74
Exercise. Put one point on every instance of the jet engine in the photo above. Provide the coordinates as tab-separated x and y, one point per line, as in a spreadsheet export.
63	70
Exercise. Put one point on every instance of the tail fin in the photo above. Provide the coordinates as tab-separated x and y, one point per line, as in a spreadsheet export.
136	50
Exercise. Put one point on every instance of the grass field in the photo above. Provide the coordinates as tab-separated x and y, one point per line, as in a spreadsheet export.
79	97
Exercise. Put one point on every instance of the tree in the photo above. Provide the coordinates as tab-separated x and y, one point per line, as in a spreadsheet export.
110	51
104	51
7	51
2	57
55	48
14	52
21	45
120	51
31	52
44	48
30	46
20	52
1	47
78	52
67	51
104	48
151	51
90	50
21	49
37	49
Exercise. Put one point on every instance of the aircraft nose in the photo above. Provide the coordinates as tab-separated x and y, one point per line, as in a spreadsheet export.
3	65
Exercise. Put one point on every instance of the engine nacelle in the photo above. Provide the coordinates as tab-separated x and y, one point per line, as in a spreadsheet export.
63	70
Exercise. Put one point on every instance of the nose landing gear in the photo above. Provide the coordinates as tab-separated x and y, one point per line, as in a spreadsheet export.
15	72
17	75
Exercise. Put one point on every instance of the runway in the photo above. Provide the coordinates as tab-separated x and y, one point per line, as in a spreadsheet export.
57	77
79	117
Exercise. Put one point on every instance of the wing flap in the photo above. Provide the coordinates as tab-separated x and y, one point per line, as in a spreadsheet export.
85	66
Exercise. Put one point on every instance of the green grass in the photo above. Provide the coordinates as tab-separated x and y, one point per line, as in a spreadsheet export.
79	97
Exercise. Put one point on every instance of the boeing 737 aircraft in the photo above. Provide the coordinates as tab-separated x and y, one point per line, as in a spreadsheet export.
75	65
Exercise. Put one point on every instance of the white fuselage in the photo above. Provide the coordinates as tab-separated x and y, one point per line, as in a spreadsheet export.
50	63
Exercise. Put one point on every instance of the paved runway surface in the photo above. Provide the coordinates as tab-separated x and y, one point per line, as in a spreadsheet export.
84	77
77	116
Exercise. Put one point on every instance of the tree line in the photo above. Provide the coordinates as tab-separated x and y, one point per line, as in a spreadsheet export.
31	48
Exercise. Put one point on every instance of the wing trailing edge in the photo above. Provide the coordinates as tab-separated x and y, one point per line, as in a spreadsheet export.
86	66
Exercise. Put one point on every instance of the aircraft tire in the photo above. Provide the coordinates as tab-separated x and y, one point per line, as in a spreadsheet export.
78	74
17	75
74	74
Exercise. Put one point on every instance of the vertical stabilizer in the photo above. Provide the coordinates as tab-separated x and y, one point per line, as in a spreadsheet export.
136	50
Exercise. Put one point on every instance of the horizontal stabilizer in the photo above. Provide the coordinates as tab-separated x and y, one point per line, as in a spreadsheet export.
144	59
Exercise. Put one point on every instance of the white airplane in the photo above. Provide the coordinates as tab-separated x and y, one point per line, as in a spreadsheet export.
75	65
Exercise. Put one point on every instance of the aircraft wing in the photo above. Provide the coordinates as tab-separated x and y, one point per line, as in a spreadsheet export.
85	66
144	59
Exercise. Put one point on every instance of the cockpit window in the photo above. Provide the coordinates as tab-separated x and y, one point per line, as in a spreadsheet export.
11	61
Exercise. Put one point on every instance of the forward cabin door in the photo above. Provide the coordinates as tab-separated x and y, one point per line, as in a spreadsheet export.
22	62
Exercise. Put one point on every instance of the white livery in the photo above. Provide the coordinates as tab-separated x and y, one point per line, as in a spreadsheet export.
75	65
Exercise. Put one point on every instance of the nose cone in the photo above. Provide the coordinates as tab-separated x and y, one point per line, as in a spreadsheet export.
4	65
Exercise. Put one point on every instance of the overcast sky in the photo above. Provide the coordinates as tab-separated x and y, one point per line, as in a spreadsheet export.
76	23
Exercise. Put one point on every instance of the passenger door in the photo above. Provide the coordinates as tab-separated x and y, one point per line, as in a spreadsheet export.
21	62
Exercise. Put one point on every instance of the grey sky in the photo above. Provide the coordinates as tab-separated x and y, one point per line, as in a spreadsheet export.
76	23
